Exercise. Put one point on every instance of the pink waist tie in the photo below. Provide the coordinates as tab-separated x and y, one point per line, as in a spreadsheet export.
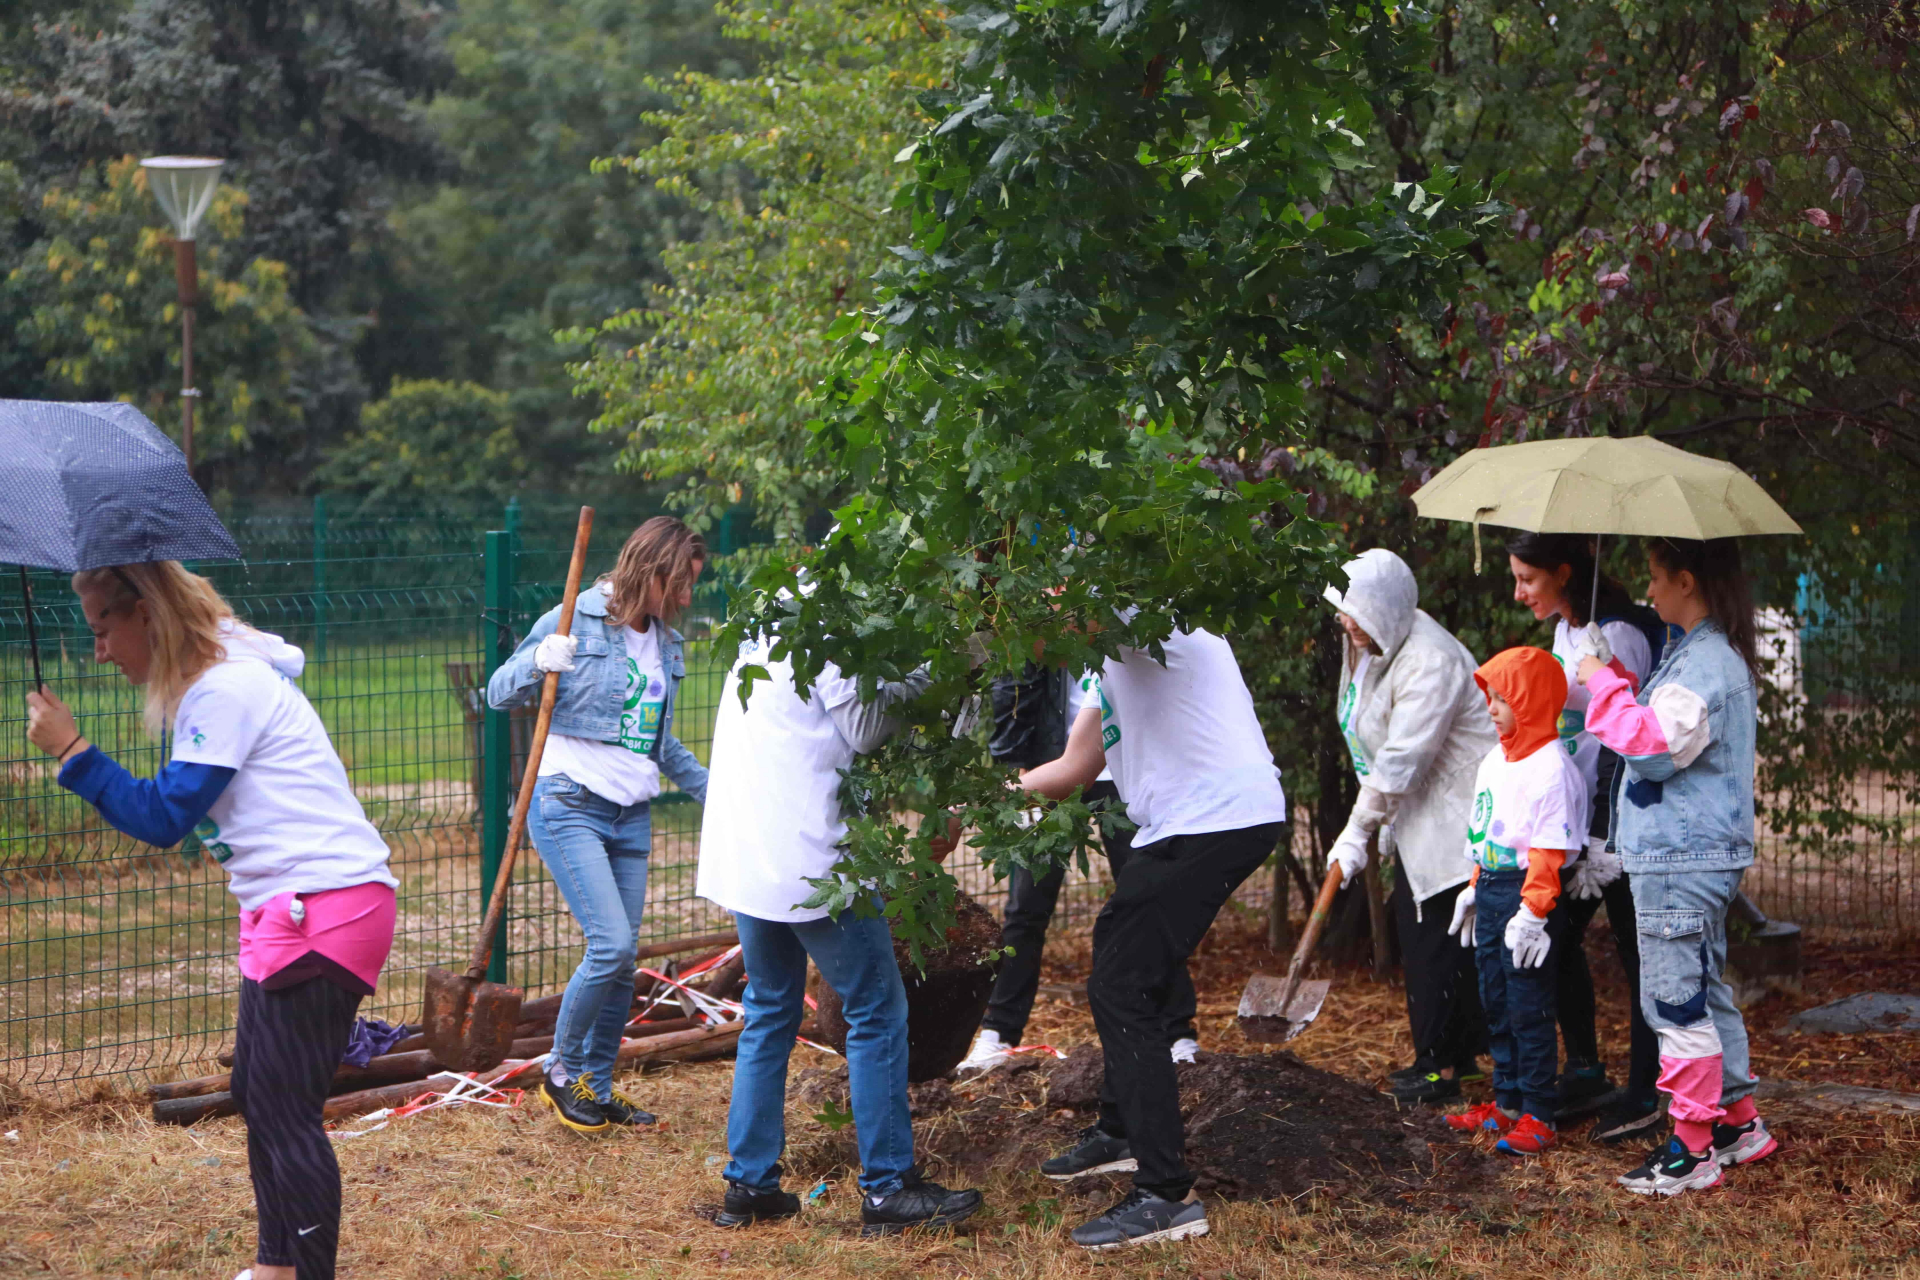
352	927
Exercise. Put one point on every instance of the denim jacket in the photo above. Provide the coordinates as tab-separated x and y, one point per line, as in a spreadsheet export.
590	697
1700	817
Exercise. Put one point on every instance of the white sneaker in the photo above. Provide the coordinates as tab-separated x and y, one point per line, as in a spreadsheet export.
245	1275
988	1052
1185	1049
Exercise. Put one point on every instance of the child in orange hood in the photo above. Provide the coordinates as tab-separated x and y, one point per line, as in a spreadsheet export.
1529	819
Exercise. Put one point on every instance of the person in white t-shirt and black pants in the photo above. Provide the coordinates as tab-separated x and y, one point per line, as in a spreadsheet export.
773	824
1198	780
610	744
253	774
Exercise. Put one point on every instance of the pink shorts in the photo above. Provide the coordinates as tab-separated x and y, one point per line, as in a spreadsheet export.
351	927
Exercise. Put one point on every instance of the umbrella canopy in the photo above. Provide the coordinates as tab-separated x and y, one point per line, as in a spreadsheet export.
1620	485
91	485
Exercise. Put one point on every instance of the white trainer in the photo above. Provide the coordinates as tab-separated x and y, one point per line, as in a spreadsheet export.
988	1052
1185	1049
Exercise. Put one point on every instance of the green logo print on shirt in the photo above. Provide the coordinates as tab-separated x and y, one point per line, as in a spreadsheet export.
209	832
1348	697
640	712
1109	730
1490	854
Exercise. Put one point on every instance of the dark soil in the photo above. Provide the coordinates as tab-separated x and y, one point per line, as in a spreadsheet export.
1259	1127
944	1003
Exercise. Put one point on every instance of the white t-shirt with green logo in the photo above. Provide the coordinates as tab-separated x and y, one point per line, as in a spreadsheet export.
1539	802
1349	705
288	822
1183	742
623	770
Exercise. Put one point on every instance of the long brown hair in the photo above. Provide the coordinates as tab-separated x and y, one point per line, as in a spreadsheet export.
185	615
1722	581
660	559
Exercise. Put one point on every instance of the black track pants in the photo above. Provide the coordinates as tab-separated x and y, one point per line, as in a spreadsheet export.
285	1052
1164	901
1443	986
1030	906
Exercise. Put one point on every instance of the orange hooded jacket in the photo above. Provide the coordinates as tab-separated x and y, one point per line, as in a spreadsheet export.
1534	684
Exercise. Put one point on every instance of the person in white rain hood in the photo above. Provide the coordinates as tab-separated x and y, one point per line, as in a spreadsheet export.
1416	726
1192	767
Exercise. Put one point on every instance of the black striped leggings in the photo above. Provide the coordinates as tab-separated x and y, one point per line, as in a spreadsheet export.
285	1052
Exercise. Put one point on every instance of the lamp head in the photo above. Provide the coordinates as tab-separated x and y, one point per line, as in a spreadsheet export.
184	187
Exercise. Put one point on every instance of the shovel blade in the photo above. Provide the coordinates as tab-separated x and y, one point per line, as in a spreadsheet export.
469	1025
1265	1020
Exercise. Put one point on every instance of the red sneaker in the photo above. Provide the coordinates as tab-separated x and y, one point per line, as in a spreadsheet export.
1487	1117
1529	1136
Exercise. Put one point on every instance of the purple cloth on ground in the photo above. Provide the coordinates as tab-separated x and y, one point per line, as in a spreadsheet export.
371	1037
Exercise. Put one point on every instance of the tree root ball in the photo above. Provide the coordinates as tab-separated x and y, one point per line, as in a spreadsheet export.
945	1002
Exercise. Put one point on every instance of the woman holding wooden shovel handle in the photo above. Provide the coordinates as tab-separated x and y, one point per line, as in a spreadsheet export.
610	743
254	775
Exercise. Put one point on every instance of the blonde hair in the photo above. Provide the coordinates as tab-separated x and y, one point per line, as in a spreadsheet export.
185	615
660	559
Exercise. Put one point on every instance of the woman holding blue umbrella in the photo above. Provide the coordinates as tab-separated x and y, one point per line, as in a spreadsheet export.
254	775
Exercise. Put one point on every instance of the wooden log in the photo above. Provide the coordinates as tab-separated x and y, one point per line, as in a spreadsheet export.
188	1110
197	1087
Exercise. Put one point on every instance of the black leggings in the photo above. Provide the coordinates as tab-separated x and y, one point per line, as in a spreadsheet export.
1443	983
1575	998
285	1052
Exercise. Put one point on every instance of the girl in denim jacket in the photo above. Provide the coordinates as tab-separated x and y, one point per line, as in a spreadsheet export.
610	743
1684	829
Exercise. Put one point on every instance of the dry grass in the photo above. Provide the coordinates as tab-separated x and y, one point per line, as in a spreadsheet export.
100	1191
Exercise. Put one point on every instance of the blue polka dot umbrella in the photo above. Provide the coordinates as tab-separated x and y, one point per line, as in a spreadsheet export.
92	485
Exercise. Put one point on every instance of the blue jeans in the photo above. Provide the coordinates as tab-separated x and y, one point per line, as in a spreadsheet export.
596	852
1523	1036
855	956
1682	920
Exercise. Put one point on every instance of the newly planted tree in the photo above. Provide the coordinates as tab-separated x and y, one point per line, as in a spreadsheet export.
1117	274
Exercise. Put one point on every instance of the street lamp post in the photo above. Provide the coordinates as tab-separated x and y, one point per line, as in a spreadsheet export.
184	187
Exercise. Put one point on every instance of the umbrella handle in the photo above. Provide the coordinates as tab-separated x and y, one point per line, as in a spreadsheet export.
33	632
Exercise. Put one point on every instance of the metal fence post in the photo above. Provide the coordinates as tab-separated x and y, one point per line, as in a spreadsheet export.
496	642
320	577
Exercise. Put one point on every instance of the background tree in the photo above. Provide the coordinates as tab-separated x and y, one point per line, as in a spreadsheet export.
93	304
429	443
791	171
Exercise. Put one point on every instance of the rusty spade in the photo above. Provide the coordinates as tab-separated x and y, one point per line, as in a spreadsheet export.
1275	1010
468	1021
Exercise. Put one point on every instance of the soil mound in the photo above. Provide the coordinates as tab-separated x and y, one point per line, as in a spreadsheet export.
1259	1127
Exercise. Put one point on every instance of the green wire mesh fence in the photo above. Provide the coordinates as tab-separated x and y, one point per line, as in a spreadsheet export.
118	959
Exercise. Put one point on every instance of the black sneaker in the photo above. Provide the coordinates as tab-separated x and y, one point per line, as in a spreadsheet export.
1583	1089
918	1203
1626	1119
1143	1218
1422	1067
745	1206
1672	1169
1097	1152
1470	1072
575	1104
620	1109
1432	1089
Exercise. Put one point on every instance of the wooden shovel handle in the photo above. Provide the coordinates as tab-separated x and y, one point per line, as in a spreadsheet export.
1310	936
517	829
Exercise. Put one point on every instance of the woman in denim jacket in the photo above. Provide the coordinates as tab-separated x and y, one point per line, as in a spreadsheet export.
1684	828
610	743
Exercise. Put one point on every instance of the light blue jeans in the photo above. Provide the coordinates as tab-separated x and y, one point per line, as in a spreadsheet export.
596	852
1682	921
855	956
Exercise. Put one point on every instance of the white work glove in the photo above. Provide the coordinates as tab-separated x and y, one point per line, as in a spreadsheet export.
1527	938
1466	916
1590	642
555	653
1595	871
1349	853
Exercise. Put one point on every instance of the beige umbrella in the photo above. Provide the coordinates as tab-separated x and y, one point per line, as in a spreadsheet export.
1600	485
1627	485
